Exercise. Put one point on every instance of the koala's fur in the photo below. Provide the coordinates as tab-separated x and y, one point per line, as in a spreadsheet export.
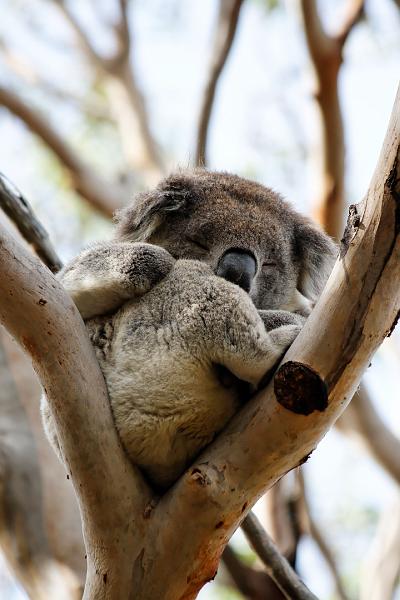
172	338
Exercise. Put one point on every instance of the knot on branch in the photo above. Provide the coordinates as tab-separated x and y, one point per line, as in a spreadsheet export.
353	223
300	389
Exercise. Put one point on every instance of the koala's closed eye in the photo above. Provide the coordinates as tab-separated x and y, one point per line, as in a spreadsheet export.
198	243
269	263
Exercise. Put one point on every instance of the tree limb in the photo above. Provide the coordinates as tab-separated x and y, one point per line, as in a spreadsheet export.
326	56
111	494
314	531
83	39
19	211
355	11
22	530
277	566
224	35
126	98
99	193
362	419
252	583
277	430
382	568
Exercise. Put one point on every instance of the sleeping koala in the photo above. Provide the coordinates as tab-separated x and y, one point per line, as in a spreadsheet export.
207	283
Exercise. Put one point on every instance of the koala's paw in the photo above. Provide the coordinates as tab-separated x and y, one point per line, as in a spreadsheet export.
274	319
145	266
284	336
101	331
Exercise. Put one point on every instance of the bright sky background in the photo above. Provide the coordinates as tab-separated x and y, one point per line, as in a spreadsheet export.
263	126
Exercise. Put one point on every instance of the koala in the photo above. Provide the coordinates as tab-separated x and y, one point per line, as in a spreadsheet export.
207	282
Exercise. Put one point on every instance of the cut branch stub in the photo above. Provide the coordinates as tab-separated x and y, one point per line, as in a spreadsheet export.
300	389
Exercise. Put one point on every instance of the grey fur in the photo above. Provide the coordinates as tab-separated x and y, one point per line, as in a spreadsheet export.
173	340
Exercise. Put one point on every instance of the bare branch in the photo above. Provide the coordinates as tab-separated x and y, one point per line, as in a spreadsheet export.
312	528
22	528
362	419
282	516
277	566
355	11
278	428
28	74
18	210
224	35
122	32
100	194
252	583
127	100
382	568
83	39
129	110
326	57
111	493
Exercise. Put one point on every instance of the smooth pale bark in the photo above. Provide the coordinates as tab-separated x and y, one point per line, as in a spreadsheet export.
111	494
23	533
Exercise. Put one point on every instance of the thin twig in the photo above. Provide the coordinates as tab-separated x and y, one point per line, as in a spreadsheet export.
354	13
123	32
362	420
104	196
277	566
225	33
83	39
326	52
380	572
312	528
19	211
254	584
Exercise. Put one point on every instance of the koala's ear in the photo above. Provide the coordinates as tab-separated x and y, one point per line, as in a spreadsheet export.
316	253
139	220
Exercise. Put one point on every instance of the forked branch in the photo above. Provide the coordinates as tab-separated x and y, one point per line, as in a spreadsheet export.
228	19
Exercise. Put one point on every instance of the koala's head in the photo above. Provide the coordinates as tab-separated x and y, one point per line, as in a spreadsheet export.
246	232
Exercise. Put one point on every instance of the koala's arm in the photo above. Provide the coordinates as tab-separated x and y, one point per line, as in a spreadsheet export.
273	319
244	345
103	277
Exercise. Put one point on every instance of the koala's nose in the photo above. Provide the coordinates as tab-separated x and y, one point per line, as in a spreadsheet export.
237	266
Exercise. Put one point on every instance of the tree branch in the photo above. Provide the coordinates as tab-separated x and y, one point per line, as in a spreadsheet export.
83	39
381	570
279	428
355	11
99	193
326	56
224	35
252	583
314	531
19	211
111	493
276	565
126	98
363	420
123	32
22	529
